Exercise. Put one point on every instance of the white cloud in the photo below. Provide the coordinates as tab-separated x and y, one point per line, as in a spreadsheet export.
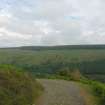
51	22
4	20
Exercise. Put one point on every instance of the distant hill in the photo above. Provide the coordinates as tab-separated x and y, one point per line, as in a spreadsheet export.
62	47
43	60
59	47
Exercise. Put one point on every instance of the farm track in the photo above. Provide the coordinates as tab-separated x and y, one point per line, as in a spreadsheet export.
60	92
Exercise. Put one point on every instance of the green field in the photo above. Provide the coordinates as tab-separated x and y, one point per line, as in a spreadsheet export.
89	61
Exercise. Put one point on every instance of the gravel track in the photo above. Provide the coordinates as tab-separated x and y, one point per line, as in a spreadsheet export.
60	92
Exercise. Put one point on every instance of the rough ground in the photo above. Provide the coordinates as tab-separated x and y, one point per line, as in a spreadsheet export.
60	92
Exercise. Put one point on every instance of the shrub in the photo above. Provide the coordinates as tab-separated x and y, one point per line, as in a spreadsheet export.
64	72
99	90
72	74
76	75
18	88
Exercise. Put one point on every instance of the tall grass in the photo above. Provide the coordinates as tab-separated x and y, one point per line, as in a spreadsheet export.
17	88
98	89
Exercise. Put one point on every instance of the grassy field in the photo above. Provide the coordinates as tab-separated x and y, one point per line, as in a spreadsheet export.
40	62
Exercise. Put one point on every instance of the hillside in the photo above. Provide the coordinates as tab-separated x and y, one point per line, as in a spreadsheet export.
19	66
63	47
42	61
17	87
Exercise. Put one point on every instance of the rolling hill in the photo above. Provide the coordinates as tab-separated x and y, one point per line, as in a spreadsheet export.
45	60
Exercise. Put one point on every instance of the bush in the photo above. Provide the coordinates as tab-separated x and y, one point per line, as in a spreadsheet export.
72	74
17	88
76	75
99	90
64	72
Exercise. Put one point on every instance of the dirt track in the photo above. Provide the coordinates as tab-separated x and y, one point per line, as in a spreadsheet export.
60	92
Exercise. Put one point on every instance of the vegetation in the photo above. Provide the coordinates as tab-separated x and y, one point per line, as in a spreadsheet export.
88	96
97	89
63	47
90	62
65	62
17	87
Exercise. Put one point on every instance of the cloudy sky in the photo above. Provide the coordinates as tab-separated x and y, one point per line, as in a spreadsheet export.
51	22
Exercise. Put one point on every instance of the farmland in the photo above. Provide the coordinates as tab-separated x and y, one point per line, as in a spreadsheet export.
90	62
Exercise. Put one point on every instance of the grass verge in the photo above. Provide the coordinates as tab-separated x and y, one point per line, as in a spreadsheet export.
87	94
18	88
96	89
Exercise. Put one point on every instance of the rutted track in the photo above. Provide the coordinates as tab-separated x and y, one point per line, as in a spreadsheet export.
60	92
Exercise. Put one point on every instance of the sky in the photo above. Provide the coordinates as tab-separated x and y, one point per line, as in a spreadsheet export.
51	22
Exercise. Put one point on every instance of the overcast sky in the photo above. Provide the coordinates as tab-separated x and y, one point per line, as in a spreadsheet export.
51	22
